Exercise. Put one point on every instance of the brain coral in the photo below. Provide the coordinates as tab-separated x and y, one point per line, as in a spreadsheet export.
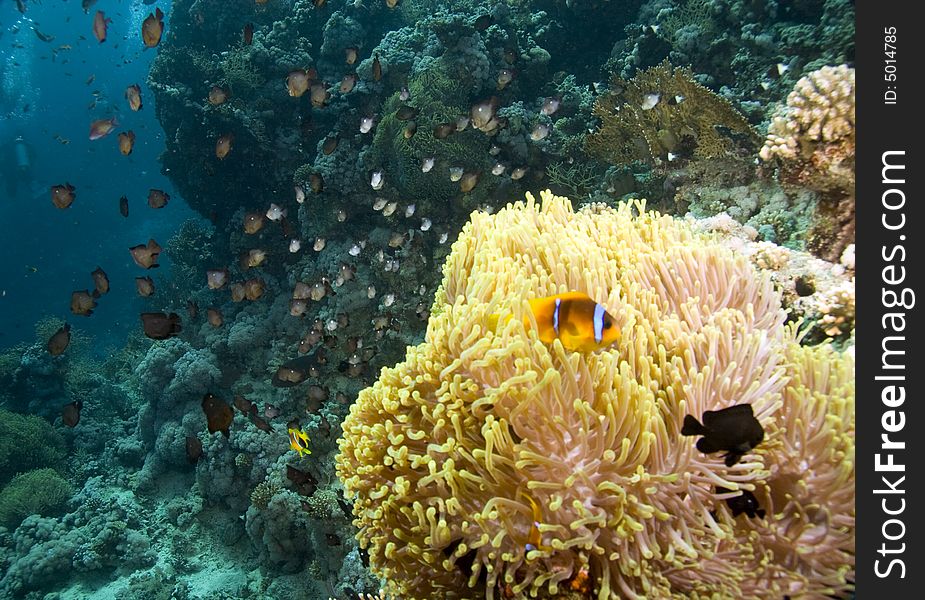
447	453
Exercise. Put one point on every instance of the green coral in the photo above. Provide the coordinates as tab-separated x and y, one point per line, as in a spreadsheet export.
41	491
578	178
263	493
27	442
434	91
240	74
686	119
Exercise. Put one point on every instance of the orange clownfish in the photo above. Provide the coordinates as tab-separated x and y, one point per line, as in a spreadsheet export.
580	323
298	440
535	538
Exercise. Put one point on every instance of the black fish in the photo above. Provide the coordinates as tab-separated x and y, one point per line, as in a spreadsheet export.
295	371
345	508
160	326
482	22
746	503
734	429
304	482
123	206
70	413
193	449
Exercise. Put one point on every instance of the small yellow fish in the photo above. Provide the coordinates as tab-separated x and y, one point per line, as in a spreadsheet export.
298	440
574	318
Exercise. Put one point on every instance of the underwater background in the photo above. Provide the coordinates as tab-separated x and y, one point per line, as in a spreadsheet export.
260	268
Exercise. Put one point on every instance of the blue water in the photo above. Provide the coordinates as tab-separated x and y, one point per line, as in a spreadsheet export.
48	252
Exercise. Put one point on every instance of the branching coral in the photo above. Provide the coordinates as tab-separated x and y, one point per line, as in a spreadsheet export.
813	142
447	453
661	110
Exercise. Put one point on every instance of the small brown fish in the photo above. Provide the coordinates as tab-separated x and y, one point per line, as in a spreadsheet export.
223	145
253	288
160	326
316	182
248	34
253	222
193	449
145	286
157	198
319	95
377	68
152	28
734	429
242	404
219	414
330	144
257	420
133	95
145	255
123	206
411	127
216	278
214	316
100	22
70	413
253	258
237	292
82	303
305	484
482	22
444	130
347	83
406	113
126	142
100	282
101	128
297	82
192	309
505	76
63	196
468	181
58	342
350	55
217	95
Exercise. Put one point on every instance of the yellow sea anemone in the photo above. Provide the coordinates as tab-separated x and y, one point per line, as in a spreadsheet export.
446	453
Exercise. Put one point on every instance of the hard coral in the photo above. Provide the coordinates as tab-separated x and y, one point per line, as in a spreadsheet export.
813	141
27	442
661	110
41	491
814	136
446	454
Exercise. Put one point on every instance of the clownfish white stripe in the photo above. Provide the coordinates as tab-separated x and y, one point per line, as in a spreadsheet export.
555	316
598	323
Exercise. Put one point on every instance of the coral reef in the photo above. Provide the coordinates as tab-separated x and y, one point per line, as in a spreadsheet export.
27	442
38	492
813	142
483	441
663	112
751	52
